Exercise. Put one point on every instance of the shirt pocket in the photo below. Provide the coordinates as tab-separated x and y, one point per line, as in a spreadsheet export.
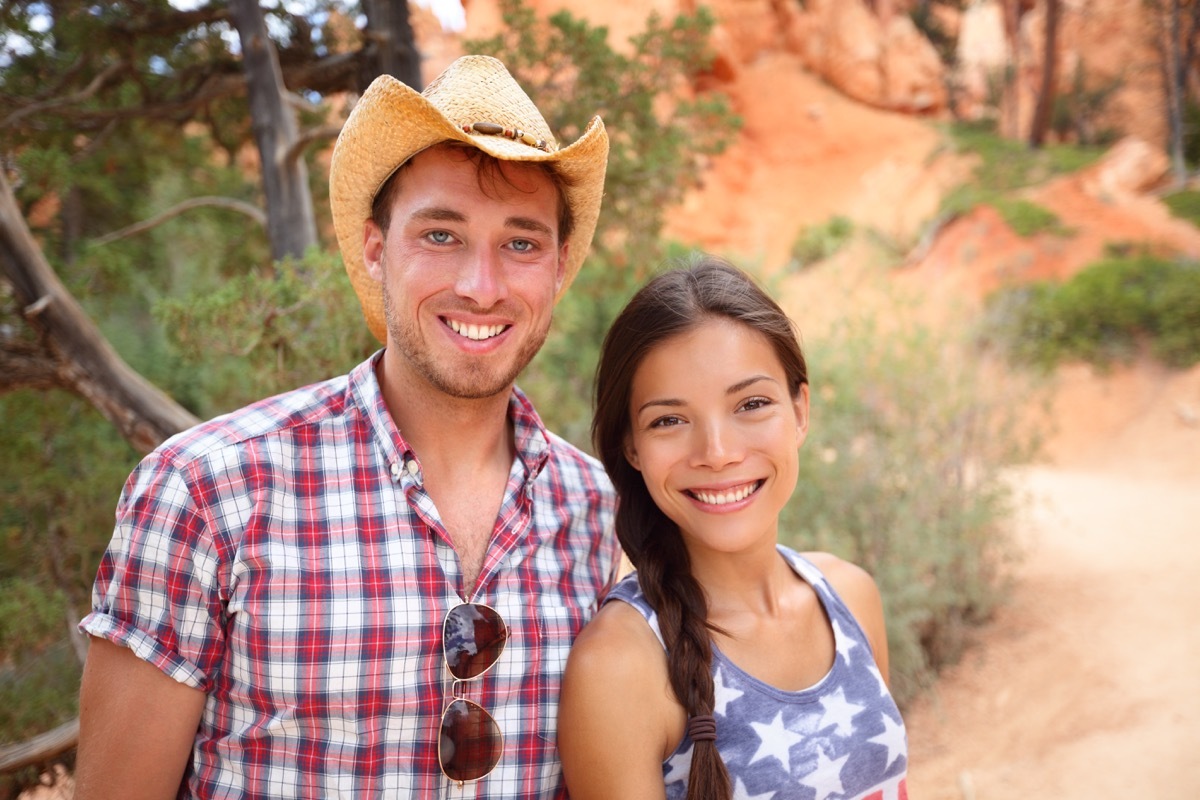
558	623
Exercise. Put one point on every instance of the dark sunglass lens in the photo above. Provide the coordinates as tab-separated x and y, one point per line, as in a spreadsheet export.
473	637
470	742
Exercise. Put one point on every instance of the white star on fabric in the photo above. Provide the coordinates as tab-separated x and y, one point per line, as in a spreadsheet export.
842	639
680	767
826	776
740	792
774	741
839	712
892	738
722	694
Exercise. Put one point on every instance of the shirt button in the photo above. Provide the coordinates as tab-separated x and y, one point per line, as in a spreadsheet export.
395	470
413	468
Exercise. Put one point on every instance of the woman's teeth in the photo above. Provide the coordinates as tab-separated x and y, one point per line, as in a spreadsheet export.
727	496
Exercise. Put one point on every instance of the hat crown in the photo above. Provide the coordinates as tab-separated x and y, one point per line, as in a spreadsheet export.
480	89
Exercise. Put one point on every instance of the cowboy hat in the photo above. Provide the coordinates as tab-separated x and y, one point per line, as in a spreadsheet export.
476	101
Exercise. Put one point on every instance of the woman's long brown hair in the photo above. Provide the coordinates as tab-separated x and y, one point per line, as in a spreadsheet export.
671	304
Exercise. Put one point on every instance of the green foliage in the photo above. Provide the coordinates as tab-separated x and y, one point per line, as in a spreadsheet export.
62	469
1191	131
260	333
1103	313
818	242
903	473
1027	218
1184	204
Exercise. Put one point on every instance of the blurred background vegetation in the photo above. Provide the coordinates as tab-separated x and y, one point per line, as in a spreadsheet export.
904	470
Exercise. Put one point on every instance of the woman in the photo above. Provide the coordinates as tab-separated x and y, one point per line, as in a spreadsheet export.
733	666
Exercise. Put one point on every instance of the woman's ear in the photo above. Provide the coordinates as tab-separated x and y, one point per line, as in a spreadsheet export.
800	406
631	453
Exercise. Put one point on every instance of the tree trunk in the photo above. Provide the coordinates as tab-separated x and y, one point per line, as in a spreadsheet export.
1045	105
73	349
394	49
1173	70
291	225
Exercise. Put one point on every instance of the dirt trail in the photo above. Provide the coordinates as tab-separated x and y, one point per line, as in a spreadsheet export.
1086	684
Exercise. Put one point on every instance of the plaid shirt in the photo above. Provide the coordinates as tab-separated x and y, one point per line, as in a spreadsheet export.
286	560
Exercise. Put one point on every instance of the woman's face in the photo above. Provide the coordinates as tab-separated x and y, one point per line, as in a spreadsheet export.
714	433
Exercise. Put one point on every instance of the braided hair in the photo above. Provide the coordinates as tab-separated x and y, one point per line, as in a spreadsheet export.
671	304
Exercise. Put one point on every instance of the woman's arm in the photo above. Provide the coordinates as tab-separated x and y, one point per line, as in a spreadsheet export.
857	588
617	717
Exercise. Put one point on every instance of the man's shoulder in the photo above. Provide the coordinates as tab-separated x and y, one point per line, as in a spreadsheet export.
278	415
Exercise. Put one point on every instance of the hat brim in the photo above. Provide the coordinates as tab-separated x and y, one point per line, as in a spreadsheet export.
392	123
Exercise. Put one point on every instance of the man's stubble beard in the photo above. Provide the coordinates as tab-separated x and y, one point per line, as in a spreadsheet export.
473	382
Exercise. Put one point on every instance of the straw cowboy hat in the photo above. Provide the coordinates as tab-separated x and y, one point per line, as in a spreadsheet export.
475	101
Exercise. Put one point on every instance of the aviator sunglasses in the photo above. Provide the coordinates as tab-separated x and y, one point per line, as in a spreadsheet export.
473	637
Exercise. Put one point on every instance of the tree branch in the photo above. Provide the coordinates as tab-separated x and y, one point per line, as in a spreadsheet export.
252	211
83	94
322	132
40	748
81	355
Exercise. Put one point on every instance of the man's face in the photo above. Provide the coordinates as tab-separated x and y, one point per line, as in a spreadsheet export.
469	273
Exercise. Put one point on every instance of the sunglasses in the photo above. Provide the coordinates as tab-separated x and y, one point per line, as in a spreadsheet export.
469	746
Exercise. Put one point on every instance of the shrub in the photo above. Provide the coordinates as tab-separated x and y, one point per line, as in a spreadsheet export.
819	242
1027	218
903	473
1103	313
1185	205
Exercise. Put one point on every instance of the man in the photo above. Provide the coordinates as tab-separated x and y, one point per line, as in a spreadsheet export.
368	587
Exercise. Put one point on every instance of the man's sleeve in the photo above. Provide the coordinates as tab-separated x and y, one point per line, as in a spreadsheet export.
158	589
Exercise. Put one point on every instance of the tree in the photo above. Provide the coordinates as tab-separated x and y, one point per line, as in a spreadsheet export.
1177	39
1044	109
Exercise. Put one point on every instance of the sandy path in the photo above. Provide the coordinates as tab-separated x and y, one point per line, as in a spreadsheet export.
1086	685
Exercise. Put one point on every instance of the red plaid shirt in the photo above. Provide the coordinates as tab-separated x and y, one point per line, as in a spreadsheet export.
286	560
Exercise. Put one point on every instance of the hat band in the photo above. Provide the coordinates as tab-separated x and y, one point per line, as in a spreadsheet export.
516	134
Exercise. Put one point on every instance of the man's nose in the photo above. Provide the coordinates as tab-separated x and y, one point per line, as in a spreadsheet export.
481	278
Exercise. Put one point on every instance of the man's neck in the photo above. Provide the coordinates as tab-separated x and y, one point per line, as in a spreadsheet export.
447	433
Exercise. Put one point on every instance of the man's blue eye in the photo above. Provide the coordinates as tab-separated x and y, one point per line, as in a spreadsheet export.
440	237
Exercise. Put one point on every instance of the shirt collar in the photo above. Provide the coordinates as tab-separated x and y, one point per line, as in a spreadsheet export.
530	435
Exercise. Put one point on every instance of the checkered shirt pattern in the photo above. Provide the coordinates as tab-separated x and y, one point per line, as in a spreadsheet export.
286	560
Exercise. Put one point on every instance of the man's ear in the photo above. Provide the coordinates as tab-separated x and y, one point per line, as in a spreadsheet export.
631	454
561	273
800	406
373	250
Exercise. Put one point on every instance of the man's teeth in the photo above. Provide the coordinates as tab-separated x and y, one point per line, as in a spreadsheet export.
726	497
476	332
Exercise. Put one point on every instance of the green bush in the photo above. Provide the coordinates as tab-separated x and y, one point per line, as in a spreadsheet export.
1104	313
903	473
1027	218
1185	205
818	242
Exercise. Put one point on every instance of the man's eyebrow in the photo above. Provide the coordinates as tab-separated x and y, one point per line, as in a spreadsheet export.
528	224
438	214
